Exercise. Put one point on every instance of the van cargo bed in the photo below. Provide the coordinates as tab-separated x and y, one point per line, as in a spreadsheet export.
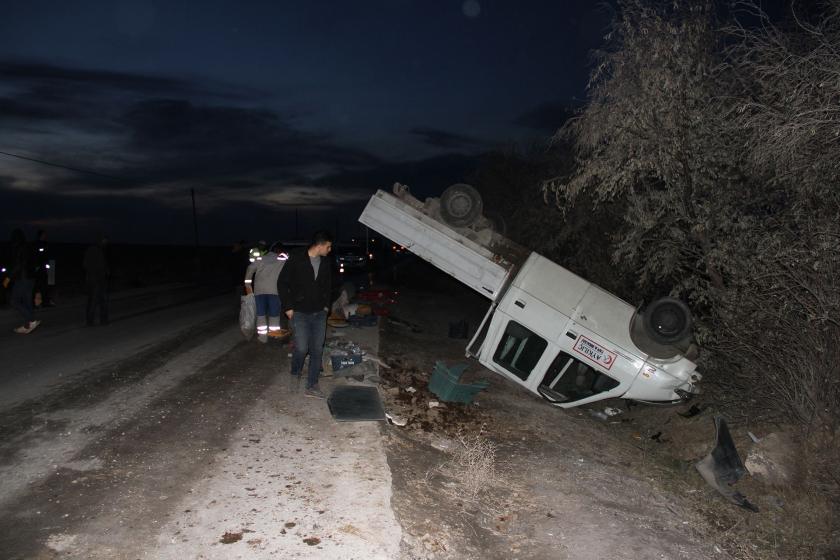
475	265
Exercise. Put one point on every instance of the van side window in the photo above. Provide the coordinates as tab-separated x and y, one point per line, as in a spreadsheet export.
569	379
519	350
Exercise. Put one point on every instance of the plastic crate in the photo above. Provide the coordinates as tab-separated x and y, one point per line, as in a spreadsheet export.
445	383
341	361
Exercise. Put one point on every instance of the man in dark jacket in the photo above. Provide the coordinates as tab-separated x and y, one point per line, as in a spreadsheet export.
305	288
97	272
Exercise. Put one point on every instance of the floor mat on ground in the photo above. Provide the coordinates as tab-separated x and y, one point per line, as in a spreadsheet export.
350	403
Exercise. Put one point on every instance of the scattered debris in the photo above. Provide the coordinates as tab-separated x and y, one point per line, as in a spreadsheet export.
693	411
657	437
396	420
774	459
410	390
612	411
434	404
362	370
723	467
376	360
443	444
230	538
312	541
598	414
754	438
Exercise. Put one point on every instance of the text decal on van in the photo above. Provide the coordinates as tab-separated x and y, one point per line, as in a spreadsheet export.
594	352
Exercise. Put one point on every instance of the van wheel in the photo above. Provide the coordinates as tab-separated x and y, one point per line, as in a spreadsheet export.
460	205
667	321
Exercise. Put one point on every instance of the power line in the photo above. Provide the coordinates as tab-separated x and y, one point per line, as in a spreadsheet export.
89	172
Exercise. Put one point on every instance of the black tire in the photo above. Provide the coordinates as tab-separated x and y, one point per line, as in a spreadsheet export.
667	321
460	205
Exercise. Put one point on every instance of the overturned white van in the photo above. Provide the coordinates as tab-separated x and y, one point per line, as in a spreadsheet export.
547	329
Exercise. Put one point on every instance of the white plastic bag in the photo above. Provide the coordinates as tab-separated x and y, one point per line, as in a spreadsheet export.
248	316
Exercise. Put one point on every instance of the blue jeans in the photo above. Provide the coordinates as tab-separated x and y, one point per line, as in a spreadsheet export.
97	297
267	305
310	329
21	299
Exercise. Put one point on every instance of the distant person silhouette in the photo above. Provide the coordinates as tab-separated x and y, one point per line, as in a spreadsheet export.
97	274
21	276
42	271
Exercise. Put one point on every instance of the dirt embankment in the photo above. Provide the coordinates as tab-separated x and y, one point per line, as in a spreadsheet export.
568	484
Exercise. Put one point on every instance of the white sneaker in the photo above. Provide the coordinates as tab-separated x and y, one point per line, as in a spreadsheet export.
33	324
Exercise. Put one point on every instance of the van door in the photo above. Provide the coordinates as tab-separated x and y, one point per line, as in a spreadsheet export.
477	342
514	351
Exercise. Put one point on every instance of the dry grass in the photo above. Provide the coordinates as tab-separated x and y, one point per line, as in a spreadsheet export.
473	467
474	464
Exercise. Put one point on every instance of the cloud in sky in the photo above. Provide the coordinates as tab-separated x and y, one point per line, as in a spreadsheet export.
138	132
146	141
448	140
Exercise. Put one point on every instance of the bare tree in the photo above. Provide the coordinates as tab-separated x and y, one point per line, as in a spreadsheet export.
652	139
780	315
718	146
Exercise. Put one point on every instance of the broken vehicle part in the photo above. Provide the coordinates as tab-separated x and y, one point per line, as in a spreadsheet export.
723	467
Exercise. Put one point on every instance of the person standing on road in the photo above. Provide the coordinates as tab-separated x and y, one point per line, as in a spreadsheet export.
305	286
97	273
261	280
42	271
21	275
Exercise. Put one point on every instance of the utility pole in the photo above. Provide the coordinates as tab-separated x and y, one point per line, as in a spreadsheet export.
195	219
197	261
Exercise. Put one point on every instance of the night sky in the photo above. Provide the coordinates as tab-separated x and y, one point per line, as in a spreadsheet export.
263	107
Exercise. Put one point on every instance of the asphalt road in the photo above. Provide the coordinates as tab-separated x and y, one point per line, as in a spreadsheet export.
62	347
166	435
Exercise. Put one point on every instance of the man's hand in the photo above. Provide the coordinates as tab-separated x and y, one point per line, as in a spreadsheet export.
248	289
290	313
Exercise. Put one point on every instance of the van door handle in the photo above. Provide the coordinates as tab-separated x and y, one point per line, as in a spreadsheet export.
518	303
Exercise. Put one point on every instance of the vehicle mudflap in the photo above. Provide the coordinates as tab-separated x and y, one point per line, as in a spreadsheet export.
723	467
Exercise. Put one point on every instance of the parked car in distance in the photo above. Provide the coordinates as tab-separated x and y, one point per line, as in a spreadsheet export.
350	257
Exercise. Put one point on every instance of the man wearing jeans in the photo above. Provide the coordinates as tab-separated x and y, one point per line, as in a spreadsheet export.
305	288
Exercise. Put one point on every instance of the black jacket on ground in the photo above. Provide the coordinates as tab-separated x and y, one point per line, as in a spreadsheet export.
298	288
